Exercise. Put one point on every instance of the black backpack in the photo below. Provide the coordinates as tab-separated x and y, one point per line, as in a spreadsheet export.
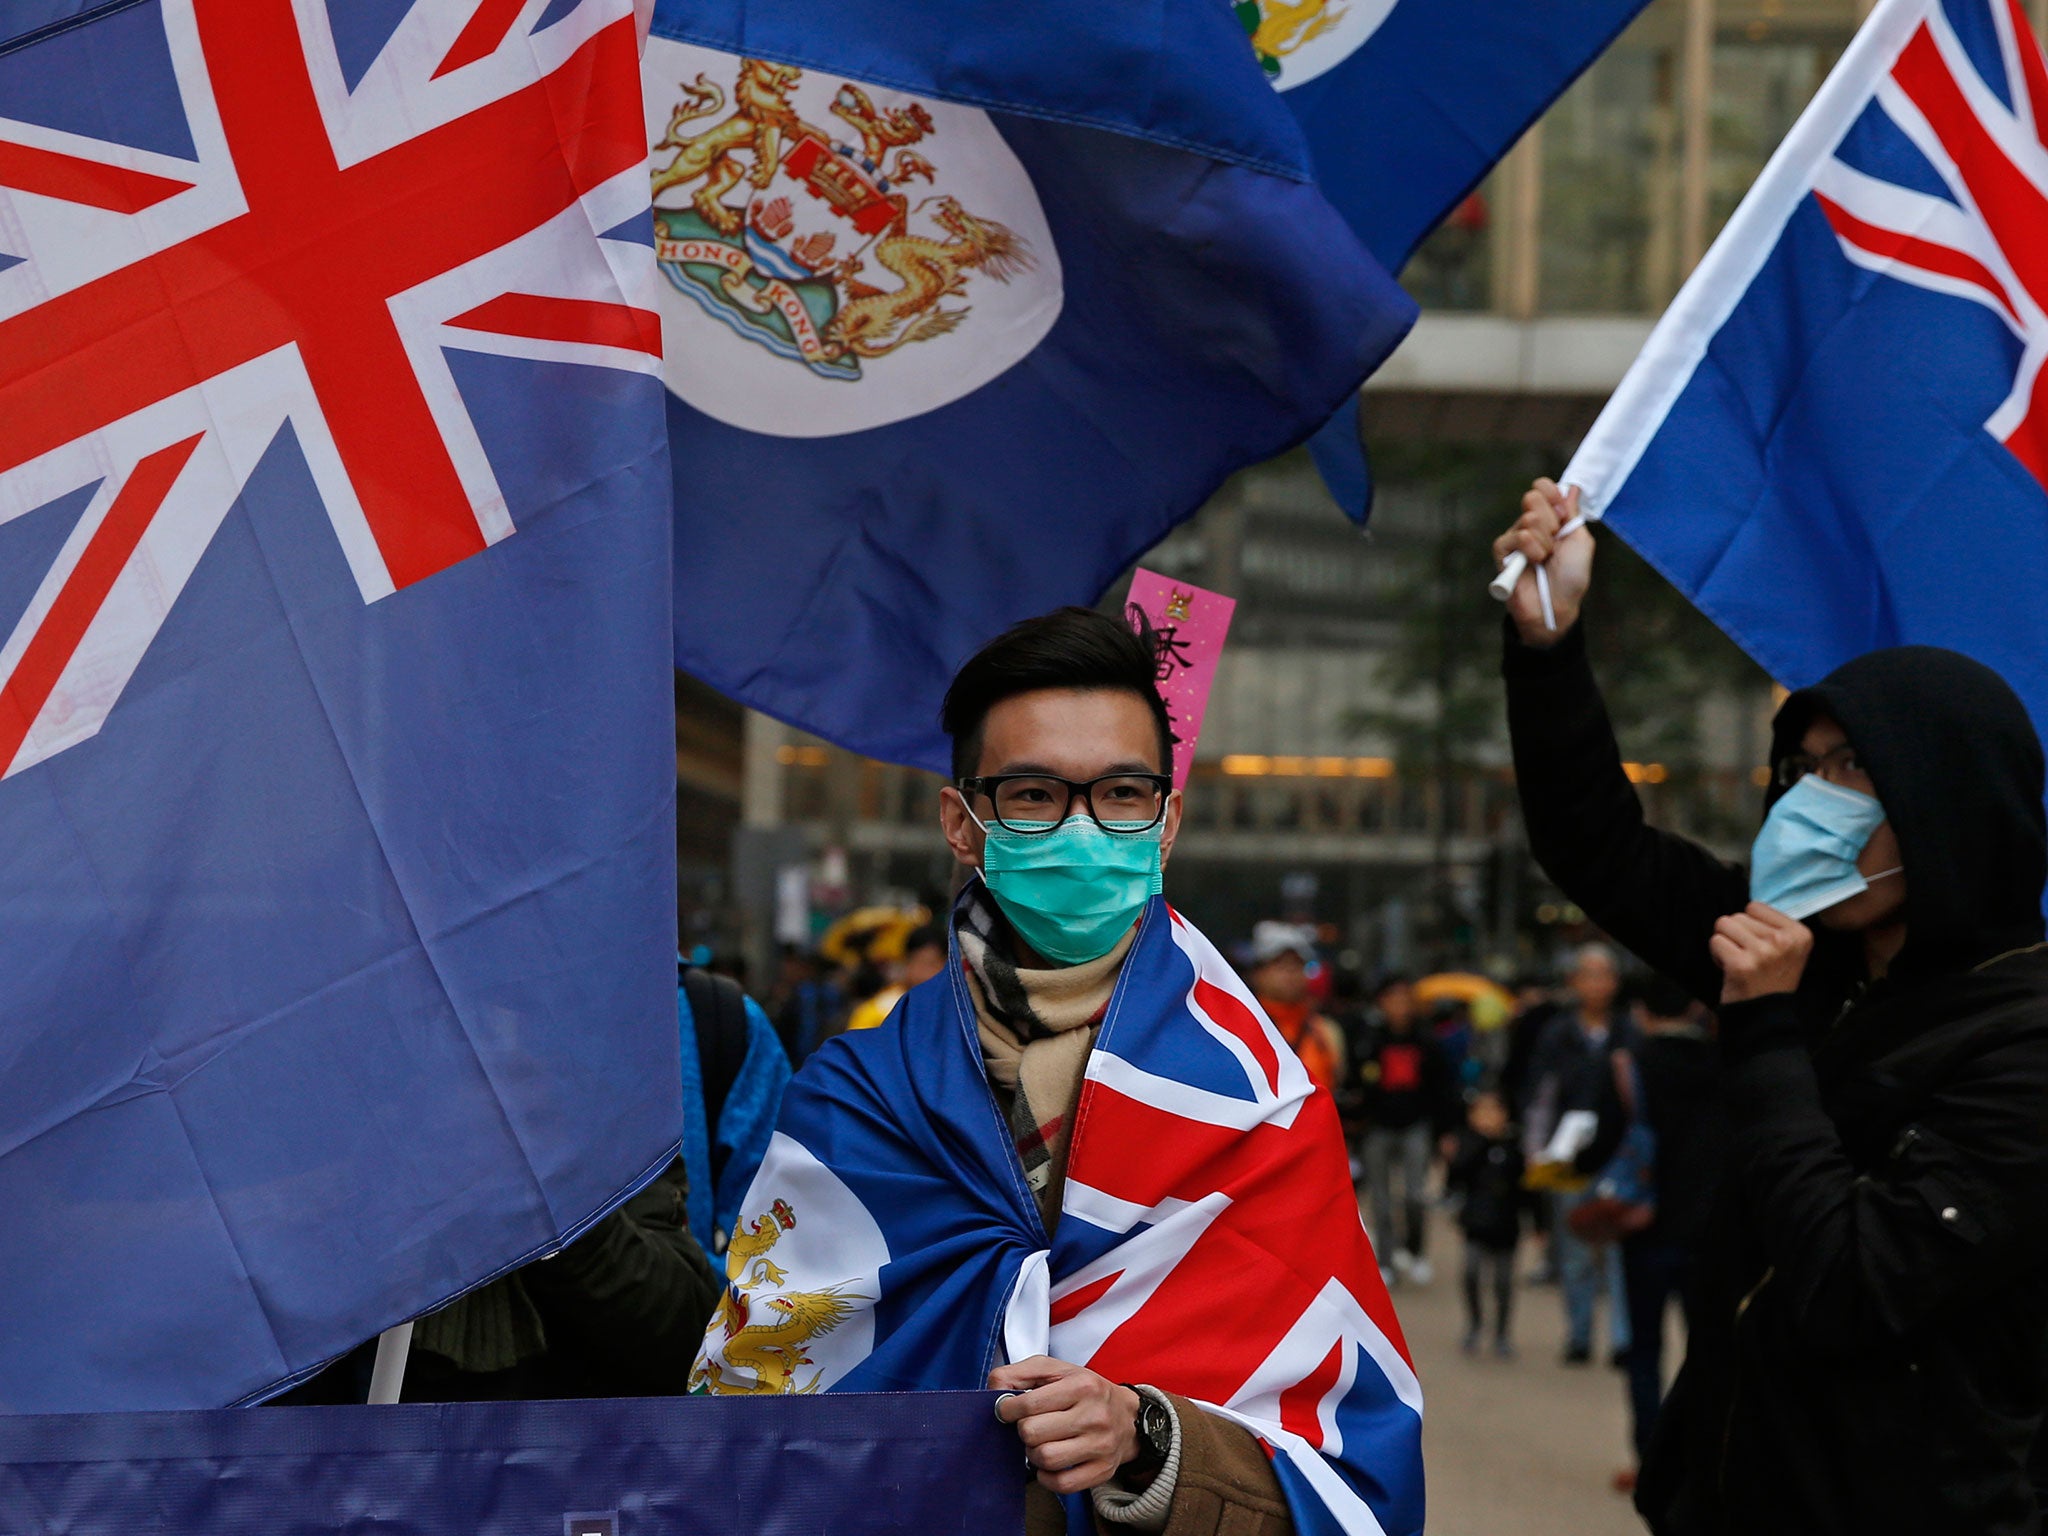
719	1009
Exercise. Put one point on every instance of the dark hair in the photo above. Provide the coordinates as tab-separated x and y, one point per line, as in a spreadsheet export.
867	980
1391	980
1661	997
924	936
1067	648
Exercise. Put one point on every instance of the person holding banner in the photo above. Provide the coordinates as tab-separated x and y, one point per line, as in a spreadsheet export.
1081	1165
1870	1296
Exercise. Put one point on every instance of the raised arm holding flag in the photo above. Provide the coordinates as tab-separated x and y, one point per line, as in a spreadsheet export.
1832	441
1826	444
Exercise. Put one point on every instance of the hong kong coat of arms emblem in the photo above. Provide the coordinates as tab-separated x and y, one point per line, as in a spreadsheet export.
828	244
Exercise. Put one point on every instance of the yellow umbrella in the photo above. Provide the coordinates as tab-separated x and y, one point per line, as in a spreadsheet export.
873	933
1491	1004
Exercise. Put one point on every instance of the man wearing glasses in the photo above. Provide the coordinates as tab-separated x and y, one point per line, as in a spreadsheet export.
1870	1291
1081	1166
1063	803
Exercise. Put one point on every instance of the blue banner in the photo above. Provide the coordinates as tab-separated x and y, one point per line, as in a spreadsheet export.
937	1463
337	842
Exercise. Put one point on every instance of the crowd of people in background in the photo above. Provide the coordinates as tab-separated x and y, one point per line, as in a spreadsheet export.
1511	1124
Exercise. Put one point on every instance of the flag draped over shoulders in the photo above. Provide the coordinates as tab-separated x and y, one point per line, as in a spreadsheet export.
1208	1244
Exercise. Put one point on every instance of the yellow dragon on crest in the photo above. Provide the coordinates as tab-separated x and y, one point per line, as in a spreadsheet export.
775	1349
875	322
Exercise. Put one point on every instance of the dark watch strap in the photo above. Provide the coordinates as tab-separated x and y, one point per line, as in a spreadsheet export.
1155	1442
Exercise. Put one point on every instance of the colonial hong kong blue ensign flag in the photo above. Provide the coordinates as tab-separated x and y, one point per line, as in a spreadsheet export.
1406	106
966	305
1209	1240
336	854
1837	438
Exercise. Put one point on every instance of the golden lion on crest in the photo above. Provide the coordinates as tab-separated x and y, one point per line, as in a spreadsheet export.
762	118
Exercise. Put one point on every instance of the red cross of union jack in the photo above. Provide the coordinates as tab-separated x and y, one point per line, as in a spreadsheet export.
1990	244
170	317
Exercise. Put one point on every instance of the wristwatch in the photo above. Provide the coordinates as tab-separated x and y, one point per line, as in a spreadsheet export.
1155	1442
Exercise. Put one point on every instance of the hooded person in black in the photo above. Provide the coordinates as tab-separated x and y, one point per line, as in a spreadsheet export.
1870	1351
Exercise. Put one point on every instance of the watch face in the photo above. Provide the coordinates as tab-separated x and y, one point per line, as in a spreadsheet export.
1156	1427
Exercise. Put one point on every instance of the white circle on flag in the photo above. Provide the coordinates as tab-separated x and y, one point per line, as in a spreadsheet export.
836	256
1297	40
804	1273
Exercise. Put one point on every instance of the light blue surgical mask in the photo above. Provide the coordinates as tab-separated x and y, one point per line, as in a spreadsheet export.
1072	892
1805	856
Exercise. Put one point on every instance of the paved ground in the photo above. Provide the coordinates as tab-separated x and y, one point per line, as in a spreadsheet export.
1522	1447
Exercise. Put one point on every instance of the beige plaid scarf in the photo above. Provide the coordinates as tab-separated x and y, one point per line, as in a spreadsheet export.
1037	1028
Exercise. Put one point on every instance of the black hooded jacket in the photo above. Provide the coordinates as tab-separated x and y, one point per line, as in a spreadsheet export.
1870	1350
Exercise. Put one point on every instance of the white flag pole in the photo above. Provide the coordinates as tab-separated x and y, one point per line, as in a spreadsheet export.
387	1376
1502	587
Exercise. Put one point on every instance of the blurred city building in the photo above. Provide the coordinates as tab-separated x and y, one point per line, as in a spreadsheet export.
1352	772
710	787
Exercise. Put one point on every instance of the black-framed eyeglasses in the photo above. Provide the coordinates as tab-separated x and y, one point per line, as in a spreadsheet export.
1830	765
1038	802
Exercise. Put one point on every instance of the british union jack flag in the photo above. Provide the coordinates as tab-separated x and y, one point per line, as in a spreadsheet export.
1837	437
329	227
1981	232
335	775
1209	1240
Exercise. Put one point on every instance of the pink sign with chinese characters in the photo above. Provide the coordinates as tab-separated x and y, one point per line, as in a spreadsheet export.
1188	626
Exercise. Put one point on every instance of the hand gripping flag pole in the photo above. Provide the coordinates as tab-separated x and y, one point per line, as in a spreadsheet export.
1502	587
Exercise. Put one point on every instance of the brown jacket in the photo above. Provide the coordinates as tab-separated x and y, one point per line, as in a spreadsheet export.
1226	1486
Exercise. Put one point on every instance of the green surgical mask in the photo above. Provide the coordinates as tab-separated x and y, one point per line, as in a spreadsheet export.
1070	893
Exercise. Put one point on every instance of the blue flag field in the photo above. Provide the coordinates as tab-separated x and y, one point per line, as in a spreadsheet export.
1406	105
337	840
